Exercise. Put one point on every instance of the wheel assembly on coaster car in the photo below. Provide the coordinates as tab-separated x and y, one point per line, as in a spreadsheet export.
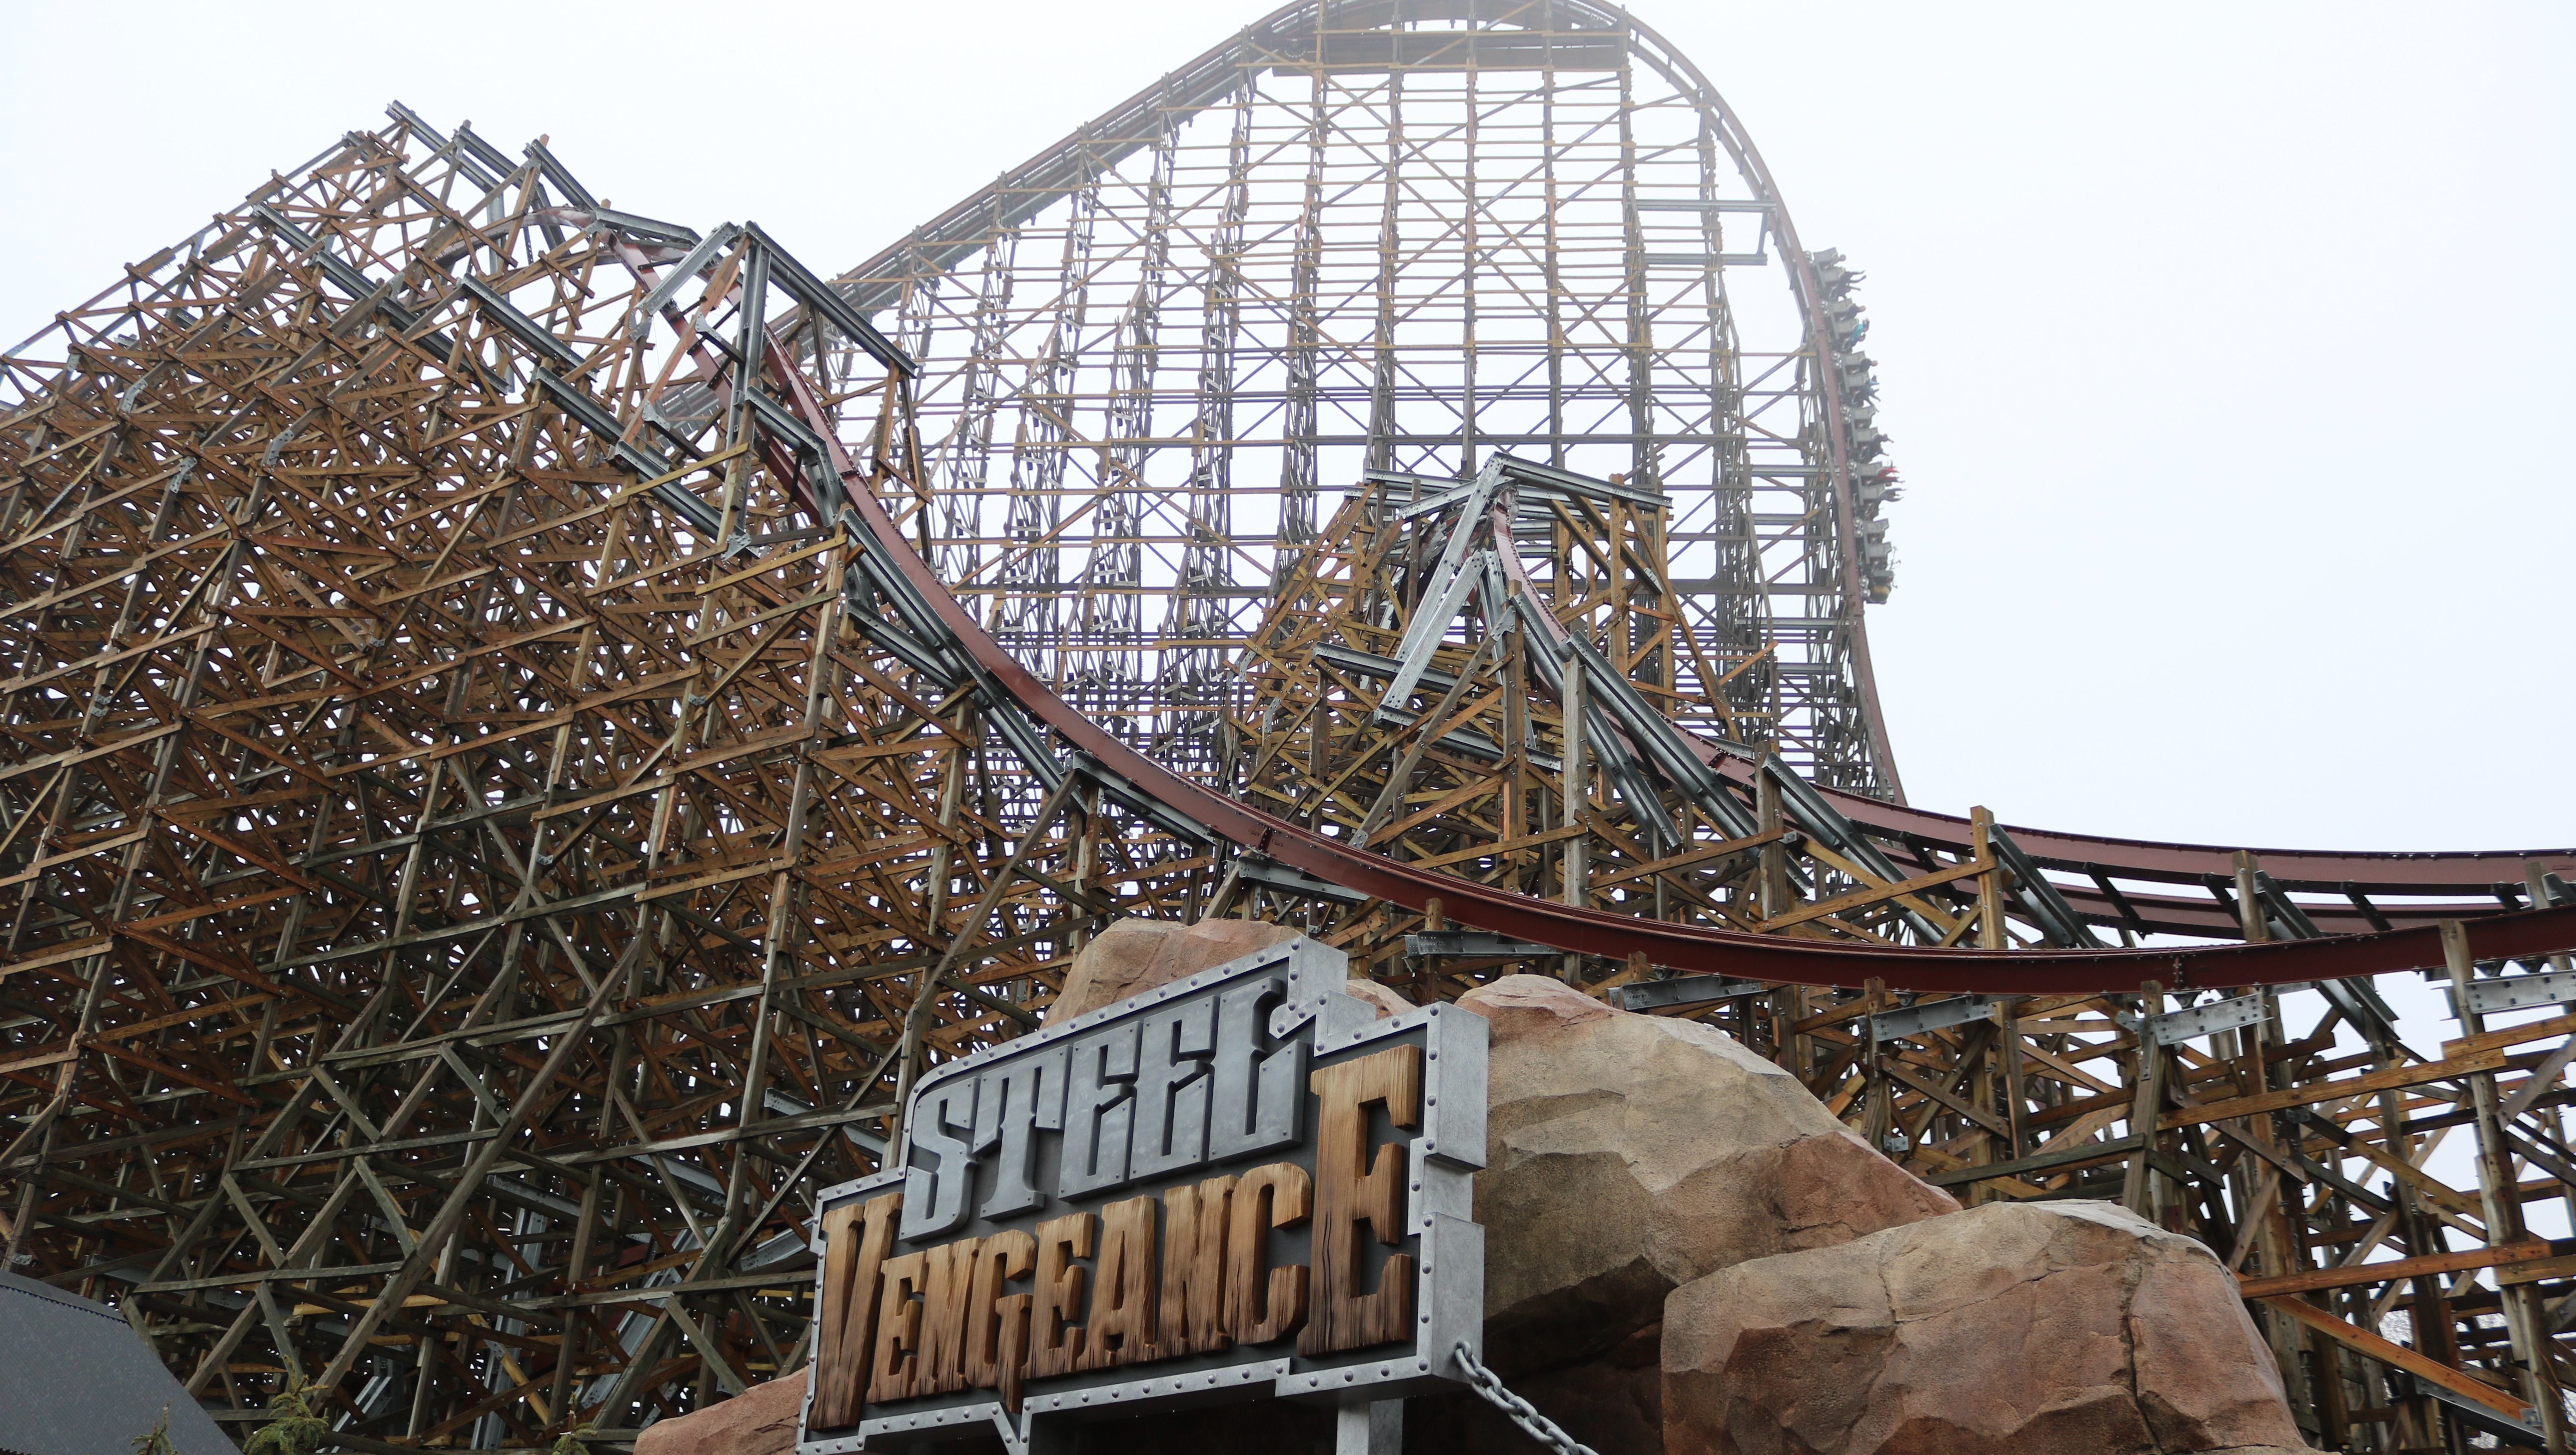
530	727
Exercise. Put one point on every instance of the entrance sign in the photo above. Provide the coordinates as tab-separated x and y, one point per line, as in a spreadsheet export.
1237	1186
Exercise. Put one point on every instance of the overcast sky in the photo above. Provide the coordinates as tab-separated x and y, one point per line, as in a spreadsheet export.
2224	346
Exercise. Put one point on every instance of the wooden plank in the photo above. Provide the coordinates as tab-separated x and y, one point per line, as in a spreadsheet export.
693	763
620	498
709	881
2322	1091
763	568
476	649
1874	894
1500	846
340	1274
2539	1269
76	950
1685	861
2357	1274
2088	1155
104	583
1941	1094
2548	1030
2362	1341
54	1057
726	629
2440	1193
433	752
71	756
53	861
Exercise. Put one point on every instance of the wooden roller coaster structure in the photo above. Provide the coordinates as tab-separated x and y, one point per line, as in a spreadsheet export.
497	806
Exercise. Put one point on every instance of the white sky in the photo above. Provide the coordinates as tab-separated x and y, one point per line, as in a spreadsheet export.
2224	345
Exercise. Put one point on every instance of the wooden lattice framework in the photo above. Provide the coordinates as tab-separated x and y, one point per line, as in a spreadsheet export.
1430	724
489	826
476	854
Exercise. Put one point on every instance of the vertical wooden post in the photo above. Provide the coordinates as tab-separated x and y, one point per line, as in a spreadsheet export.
2277	1248
2137	1193
1796	1049
2534	881
2526	1321
1086	858
1575	867
1990	885
1981	1094
1774	889
2251	921
1880	1117
2008	1021
1517	784
2417	1417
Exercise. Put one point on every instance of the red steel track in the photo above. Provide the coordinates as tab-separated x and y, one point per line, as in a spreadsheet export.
1698	949
2479	875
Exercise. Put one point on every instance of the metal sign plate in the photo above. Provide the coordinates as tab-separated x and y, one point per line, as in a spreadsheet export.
1239	1185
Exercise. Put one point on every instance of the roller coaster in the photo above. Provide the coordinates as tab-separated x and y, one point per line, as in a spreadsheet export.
529	726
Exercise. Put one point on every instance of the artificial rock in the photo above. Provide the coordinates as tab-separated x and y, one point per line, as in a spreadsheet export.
1686	1250
1133	956
759	1421
2008	1329
1627	1155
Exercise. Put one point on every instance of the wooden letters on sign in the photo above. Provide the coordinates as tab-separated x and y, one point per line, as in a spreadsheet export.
1352	1188
856	1236
1216	1188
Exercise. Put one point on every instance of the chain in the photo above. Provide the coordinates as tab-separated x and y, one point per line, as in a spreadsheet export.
1538	1426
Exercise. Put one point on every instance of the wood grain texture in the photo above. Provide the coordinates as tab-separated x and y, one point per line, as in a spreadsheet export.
1124	1288
856	1238
1353	1187
1263	1303
1055	1331
948	1282
891	1372
1194	1278
997	1331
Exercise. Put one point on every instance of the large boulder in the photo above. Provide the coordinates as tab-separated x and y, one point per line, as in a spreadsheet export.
2009	1329
1627	1155
1133	956
1387	1000
759	1421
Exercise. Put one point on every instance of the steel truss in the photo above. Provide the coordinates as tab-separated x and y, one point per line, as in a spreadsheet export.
1367	235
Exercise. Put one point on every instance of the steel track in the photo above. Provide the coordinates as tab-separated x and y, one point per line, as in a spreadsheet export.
1702	950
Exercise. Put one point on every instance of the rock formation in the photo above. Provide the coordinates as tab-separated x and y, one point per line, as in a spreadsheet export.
1387	1001
1627	1155
759	1421
2017	1329
1686	1252
1136	955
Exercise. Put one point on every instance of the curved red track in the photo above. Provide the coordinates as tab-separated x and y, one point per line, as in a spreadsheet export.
1700	949
2434	886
